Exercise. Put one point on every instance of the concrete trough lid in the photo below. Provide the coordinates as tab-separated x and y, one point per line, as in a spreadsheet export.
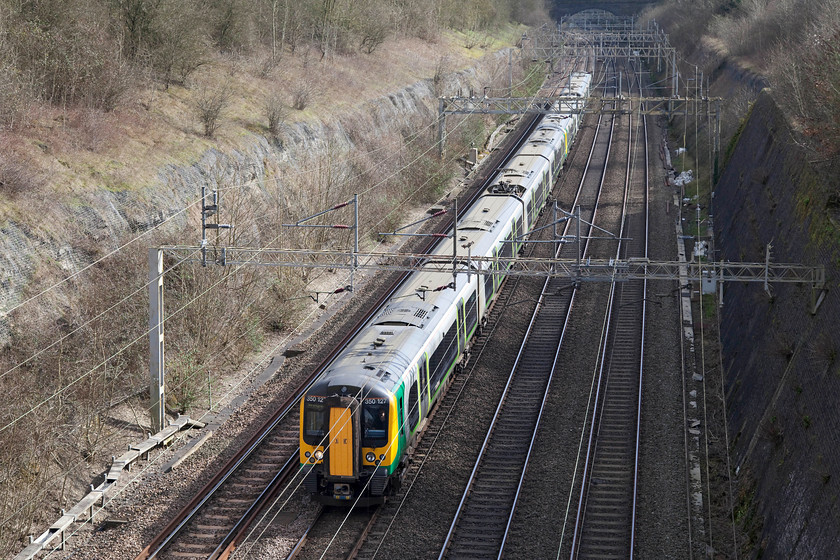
116	470
128	457
60	526
82	510
146	446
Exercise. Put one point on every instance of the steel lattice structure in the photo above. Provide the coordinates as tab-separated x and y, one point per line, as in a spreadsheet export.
587	270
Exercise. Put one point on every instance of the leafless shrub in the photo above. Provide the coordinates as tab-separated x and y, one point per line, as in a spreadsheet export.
443	70
372	30
186	378
806	79
276	112
18	174
14	94
302	95
823	351
92	129
177	46
773	431
209	106
266	64
471	39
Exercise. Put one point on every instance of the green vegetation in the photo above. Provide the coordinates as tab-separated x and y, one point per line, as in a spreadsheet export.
709	306
733	142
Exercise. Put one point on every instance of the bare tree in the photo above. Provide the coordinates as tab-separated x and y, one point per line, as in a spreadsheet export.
276	112
209	106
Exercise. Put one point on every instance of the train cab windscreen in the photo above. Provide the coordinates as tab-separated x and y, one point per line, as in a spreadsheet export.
315	415
375	423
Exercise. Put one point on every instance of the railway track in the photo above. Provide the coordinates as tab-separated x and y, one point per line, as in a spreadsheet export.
383	518
483	518
605	520
220	514
332	533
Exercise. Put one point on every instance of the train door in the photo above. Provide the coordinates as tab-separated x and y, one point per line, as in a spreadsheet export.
424	385
344	439
495	276
462	327
545	188
565	148
413	405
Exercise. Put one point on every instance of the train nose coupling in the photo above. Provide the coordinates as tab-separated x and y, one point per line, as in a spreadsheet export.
341	491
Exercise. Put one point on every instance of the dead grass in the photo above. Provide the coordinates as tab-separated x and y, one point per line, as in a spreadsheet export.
80	152
157	126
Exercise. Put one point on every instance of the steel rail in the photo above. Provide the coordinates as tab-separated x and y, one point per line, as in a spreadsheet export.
385	514
302	540
201	498
180	521
644	323
274	487
580	526
559	344
603	353
503	400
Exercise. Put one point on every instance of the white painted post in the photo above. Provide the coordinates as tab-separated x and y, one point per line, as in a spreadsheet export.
355	242
156	384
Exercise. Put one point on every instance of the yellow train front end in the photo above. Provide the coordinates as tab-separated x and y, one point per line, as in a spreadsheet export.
349	445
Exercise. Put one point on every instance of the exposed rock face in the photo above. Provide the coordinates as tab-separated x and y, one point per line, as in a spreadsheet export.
782	363
104	218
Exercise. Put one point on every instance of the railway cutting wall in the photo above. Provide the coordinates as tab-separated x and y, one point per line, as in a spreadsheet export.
781	362
104	216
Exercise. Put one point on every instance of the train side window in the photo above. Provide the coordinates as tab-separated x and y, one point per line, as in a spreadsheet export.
443	356
488	287
507	248
413	406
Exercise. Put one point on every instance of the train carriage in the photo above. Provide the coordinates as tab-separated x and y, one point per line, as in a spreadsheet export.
367	408
362	416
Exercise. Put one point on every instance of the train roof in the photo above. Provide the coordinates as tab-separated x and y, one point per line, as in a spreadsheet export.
393	339
490	213
579	83
521	169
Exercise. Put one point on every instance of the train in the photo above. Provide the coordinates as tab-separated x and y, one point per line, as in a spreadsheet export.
360	420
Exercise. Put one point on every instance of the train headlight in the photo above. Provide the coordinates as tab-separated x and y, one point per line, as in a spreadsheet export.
307	454
312	459
319	454
370	457
382	457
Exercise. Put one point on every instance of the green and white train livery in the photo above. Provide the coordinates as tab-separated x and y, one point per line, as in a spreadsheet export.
360	419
